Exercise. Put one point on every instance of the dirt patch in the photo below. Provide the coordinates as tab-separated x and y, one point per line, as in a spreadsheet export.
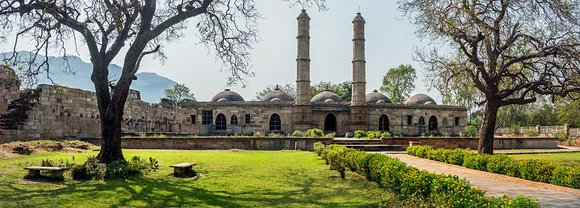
5	154
34	147
575	143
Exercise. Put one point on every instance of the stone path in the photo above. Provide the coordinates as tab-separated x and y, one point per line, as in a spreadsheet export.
497	185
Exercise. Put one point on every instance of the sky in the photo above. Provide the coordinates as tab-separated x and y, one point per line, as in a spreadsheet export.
390	42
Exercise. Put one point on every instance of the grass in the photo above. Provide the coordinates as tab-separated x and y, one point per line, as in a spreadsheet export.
231	179
567	159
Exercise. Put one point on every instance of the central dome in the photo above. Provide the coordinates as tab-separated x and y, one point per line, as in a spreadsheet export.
326	96
227	95
376	96
277	95
421	99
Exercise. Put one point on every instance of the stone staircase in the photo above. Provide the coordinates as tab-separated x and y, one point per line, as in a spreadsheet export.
367	145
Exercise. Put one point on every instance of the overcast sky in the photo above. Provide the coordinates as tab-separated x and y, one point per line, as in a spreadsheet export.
390	41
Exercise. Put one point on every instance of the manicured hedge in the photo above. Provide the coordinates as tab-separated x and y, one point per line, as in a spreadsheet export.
534	170
410	183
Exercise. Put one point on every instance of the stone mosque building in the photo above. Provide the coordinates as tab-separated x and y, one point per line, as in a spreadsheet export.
66	112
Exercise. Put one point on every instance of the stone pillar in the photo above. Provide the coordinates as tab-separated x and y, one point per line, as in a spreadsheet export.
302	109
359	112
9	87
303	60
358	62
567	129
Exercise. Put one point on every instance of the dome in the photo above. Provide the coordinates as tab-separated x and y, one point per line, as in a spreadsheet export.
376	96
275	99
228	96
277	94
381	102
326	95
329	100
222	100
421	99
358	18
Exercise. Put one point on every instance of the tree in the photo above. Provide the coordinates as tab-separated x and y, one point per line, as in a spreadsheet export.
179	93
289	89
106	27
343	89
459	90
512	50
398	83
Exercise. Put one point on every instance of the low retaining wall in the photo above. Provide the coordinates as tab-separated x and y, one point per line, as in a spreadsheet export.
472	143
218	143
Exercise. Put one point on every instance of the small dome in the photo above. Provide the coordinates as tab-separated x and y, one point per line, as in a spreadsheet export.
429	103
303	14
381	102
329	100
358	18
326	95
376	96
277	94
421	99
222	100
275	99
228	95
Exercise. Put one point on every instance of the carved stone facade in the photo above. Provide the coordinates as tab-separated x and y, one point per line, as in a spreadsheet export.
55	112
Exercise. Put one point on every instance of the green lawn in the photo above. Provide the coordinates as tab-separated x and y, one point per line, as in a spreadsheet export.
568	159
231	179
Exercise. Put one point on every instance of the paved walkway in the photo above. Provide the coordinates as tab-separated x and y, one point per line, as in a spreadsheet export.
497	185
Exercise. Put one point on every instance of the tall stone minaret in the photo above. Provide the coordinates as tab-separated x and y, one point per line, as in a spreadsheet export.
302	108
358	62
303	60
359	113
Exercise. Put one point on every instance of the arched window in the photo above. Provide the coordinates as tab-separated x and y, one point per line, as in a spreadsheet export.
275	123
432	124
220	122
384	123
421	121
234	120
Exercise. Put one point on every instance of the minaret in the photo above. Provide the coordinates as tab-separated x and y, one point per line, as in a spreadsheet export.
359	113
302	108
303	60
358	62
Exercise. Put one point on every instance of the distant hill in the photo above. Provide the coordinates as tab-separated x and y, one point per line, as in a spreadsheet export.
151	85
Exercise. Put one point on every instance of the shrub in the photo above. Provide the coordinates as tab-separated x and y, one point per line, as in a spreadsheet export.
329	135
532	133
318	147
91	169
436	154
536	170
519	201
314	133
338	160
297	133
258	134
385	134
418	151
502	164
455	156
360	134
566	176
22	150
349	135
471	131
478	162
561	136
275	135
127	168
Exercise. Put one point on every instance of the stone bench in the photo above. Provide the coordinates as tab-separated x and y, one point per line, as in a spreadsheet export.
56	172
182	169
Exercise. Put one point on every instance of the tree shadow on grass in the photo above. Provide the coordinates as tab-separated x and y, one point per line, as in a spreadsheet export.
168	192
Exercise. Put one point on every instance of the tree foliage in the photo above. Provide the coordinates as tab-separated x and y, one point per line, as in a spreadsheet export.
511	50
342	89
398	83
179	93
141	27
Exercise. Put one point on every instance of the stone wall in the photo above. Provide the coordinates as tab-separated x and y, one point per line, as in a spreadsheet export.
66	112
219	143
472	143
398	122
9	86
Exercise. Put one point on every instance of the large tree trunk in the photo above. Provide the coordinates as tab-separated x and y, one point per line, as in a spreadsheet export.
487	131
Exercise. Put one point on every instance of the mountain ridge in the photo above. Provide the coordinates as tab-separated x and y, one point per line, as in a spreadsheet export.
150	84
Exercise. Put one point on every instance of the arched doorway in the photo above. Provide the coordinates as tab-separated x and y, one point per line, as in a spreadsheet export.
220	122
384	123
432	124
330	122
275	123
